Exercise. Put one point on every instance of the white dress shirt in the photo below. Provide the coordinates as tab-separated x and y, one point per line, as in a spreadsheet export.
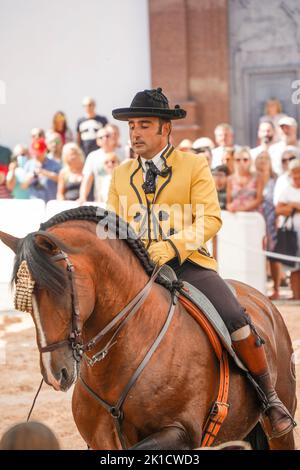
157	160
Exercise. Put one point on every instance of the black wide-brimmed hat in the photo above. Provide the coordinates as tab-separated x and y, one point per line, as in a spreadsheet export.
149	103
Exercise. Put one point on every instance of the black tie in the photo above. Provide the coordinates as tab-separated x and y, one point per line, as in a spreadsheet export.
152	172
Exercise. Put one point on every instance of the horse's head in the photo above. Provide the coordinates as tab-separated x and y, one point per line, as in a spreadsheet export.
44	277
60	286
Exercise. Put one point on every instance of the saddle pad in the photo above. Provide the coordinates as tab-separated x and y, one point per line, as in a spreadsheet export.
205	305
230	287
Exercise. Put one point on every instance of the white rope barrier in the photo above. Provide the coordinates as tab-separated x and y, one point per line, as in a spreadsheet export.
270	254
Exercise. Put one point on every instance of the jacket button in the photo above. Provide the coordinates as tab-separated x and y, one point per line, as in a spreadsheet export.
163	215
171	232
137	217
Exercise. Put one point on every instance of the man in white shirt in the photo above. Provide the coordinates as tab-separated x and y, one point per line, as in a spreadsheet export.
224	138
88	126
265	134
93	168
289	127
291	153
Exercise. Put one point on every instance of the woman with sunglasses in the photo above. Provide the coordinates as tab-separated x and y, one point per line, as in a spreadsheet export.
54	145
244	188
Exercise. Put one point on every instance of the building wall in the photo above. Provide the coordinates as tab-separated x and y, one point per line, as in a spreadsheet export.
223	59
54	53
264	40
190	60
208	61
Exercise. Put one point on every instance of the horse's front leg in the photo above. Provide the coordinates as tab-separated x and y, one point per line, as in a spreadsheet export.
172	437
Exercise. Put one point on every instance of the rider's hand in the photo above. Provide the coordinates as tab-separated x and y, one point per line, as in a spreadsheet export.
161	252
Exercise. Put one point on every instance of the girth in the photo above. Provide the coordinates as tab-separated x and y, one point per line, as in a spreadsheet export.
219	409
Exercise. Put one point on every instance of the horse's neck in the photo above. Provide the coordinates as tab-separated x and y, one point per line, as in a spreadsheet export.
121	278
118	278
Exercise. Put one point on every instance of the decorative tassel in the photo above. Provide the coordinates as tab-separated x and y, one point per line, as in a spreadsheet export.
24	289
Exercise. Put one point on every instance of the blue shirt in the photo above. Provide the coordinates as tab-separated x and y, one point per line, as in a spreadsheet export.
42	187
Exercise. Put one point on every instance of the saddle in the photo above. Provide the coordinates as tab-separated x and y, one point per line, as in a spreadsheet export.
202	303
203	311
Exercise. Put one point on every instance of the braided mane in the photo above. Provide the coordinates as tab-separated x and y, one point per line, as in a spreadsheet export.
118	226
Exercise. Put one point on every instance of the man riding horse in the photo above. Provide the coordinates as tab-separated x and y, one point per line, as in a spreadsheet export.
150	191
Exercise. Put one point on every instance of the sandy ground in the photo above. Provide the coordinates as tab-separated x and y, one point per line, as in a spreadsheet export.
20	377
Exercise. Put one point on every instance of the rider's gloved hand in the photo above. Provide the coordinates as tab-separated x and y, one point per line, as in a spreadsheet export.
161	252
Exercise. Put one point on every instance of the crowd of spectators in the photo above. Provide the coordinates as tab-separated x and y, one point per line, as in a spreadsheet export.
58	164
265	178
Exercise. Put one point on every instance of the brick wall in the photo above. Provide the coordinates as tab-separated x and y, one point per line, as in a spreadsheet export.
189	60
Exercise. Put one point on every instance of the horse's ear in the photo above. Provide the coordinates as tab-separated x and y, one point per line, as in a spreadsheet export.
46	244
10	241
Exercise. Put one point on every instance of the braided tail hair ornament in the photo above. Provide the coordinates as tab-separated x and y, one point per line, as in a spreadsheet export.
24	289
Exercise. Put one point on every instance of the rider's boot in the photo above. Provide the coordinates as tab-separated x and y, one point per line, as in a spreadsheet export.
249	348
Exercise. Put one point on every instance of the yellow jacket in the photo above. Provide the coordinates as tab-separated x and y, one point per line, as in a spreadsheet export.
184	209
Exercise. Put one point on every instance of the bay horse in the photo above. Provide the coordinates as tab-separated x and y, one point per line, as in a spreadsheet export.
84	277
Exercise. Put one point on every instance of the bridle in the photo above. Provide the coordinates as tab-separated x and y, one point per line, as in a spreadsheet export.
80	349
75	340
75	337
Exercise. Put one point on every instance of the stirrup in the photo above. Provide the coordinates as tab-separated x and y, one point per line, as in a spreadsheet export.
273	434
277	403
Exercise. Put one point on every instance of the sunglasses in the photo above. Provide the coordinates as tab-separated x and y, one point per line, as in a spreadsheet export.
241	159
290	159
104	136
202	149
